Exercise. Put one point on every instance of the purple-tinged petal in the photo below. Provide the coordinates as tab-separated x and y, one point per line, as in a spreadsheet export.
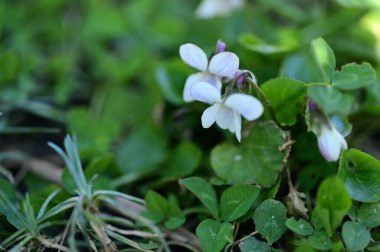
237	124
210	114
225	119
205	92
193	56
330	143
248	106
224	64
191	81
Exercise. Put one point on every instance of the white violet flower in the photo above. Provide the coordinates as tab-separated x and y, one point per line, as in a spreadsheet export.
331	142
226	112
211	8
224	64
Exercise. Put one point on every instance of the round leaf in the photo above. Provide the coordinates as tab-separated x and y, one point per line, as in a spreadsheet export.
354	76
320	240
214	235
355	236
251	244
368	214
270	218
258	159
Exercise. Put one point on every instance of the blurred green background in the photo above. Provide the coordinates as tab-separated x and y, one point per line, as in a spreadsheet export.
109	71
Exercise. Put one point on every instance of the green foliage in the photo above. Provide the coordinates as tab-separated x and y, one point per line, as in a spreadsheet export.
251	244
279	92
354	76
204	192
368	214
361	175
356	237
270	218
236	201
333	203
214	235
324	57
301	226
257	160
320	240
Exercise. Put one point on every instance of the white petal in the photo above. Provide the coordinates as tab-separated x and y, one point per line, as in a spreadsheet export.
237	123
224	64
209	115
191	81
205	92
330	143
248	106
225	119
210	8
193	56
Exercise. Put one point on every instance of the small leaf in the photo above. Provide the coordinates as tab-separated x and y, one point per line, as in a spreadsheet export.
204	192
333	203
251	244
360	173
324	57
356	237
270	218
354	76
320	240
330	99
288	98
236	201
301	226
157	205
368	214
259	159
214	235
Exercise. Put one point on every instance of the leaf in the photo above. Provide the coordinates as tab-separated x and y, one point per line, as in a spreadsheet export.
184	160
157	205
254	43
333	203
251	244
257	160
368	214
214	235
236	201
301	226
270	218
176	216
330	99
360	173
204	192
288	98
354	76
355	236
324	57
320	240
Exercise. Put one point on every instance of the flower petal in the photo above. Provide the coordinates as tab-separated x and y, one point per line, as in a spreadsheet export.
193	56
210	8
248	106
330	143
191	81
225	119
209	115
237	124
224	64
205	92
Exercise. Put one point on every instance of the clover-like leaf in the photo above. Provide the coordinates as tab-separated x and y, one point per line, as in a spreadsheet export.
214	235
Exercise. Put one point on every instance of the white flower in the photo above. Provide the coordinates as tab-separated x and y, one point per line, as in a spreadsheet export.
224	64
226	112
211	8
331	142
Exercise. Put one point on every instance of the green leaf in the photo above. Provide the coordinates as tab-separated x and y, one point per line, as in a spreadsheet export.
176	216
270	218
324	57
330	99
157	205
204	192
288	98
236	201
354	76
259	159
254	43
333	203
301	226
214	235
368	214
360	173
251	244
355	236
320	240
183	161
